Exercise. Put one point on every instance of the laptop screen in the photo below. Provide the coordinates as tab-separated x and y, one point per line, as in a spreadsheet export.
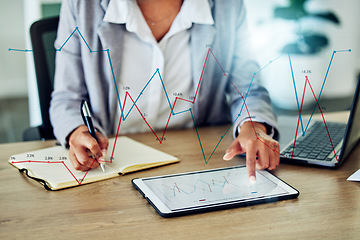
353	127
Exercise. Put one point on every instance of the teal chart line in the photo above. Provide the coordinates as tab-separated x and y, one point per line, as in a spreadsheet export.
321	90
171	106
124	116
241	109
20	50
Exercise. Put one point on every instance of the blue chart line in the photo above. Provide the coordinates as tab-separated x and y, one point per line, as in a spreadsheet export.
321	90
125	115
171	106
20	50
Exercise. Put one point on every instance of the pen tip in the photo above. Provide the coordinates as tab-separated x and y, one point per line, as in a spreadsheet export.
102	167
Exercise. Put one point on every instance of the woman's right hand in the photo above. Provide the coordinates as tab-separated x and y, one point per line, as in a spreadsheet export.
85	152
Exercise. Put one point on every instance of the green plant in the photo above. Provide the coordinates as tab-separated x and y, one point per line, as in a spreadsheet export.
308	42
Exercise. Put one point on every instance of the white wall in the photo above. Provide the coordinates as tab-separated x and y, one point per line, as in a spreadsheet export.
12	64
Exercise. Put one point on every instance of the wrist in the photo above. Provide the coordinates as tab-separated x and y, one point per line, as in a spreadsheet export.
74	132
256	125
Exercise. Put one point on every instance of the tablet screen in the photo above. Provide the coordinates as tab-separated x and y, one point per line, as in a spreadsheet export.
195	190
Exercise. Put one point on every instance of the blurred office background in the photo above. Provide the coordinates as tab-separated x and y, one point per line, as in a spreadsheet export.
19	105
329	24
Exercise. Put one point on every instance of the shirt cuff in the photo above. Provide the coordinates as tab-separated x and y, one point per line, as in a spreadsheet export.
270	130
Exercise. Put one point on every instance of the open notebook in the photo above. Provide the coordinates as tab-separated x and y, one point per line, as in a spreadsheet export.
52	167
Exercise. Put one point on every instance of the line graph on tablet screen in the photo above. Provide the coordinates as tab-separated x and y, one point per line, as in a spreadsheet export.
211	188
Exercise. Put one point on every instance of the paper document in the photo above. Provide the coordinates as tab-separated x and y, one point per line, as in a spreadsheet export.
355	176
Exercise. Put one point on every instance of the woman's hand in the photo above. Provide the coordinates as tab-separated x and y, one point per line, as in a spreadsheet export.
85	152
262	152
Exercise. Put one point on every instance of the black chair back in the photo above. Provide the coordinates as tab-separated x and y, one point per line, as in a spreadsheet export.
43	34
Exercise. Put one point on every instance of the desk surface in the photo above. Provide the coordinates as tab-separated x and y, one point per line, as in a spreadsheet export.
328	205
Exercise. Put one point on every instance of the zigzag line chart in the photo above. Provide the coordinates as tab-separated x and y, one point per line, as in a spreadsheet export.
317	105
212	187
172	113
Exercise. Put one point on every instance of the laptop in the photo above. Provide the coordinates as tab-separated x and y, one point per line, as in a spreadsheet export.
326	145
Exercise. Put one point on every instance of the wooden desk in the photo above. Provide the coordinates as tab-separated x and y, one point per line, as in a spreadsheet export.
328	205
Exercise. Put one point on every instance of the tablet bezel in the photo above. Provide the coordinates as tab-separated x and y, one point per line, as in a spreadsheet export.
164	211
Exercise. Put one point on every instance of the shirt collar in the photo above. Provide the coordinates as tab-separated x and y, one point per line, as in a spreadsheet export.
196	11
117	11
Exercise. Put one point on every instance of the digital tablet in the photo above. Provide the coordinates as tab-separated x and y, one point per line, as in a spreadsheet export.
216	189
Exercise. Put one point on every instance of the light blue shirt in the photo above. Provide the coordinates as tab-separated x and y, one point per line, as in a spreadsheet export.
171	56
227	76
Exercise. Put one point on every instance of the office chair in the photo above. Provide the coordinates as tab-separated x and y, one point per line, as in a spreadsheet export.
43	34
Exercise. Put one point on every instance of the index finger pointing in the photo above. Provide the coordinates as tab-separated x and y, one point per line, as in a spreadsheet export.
251	162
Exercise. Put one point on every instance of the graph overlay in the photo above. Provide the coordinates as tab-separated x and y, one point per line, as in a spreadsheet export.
172	102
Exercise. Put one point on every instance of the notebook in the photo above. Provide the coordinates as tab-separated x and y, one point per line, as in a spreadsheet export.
52	167
326	145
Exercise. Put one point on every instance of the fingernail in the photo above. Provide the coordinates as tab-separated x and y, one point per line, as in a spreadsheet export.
252	179
227	156
104	152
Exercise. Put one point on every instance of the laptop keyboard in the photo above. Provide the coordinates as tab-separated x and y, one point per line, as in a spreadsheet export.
316	143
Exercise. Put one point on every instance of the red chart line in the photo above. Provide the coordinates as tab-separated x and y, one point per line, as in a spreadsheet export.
32	161
129	97
307	82
127	94
54	162
160	139
177	187
171	113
